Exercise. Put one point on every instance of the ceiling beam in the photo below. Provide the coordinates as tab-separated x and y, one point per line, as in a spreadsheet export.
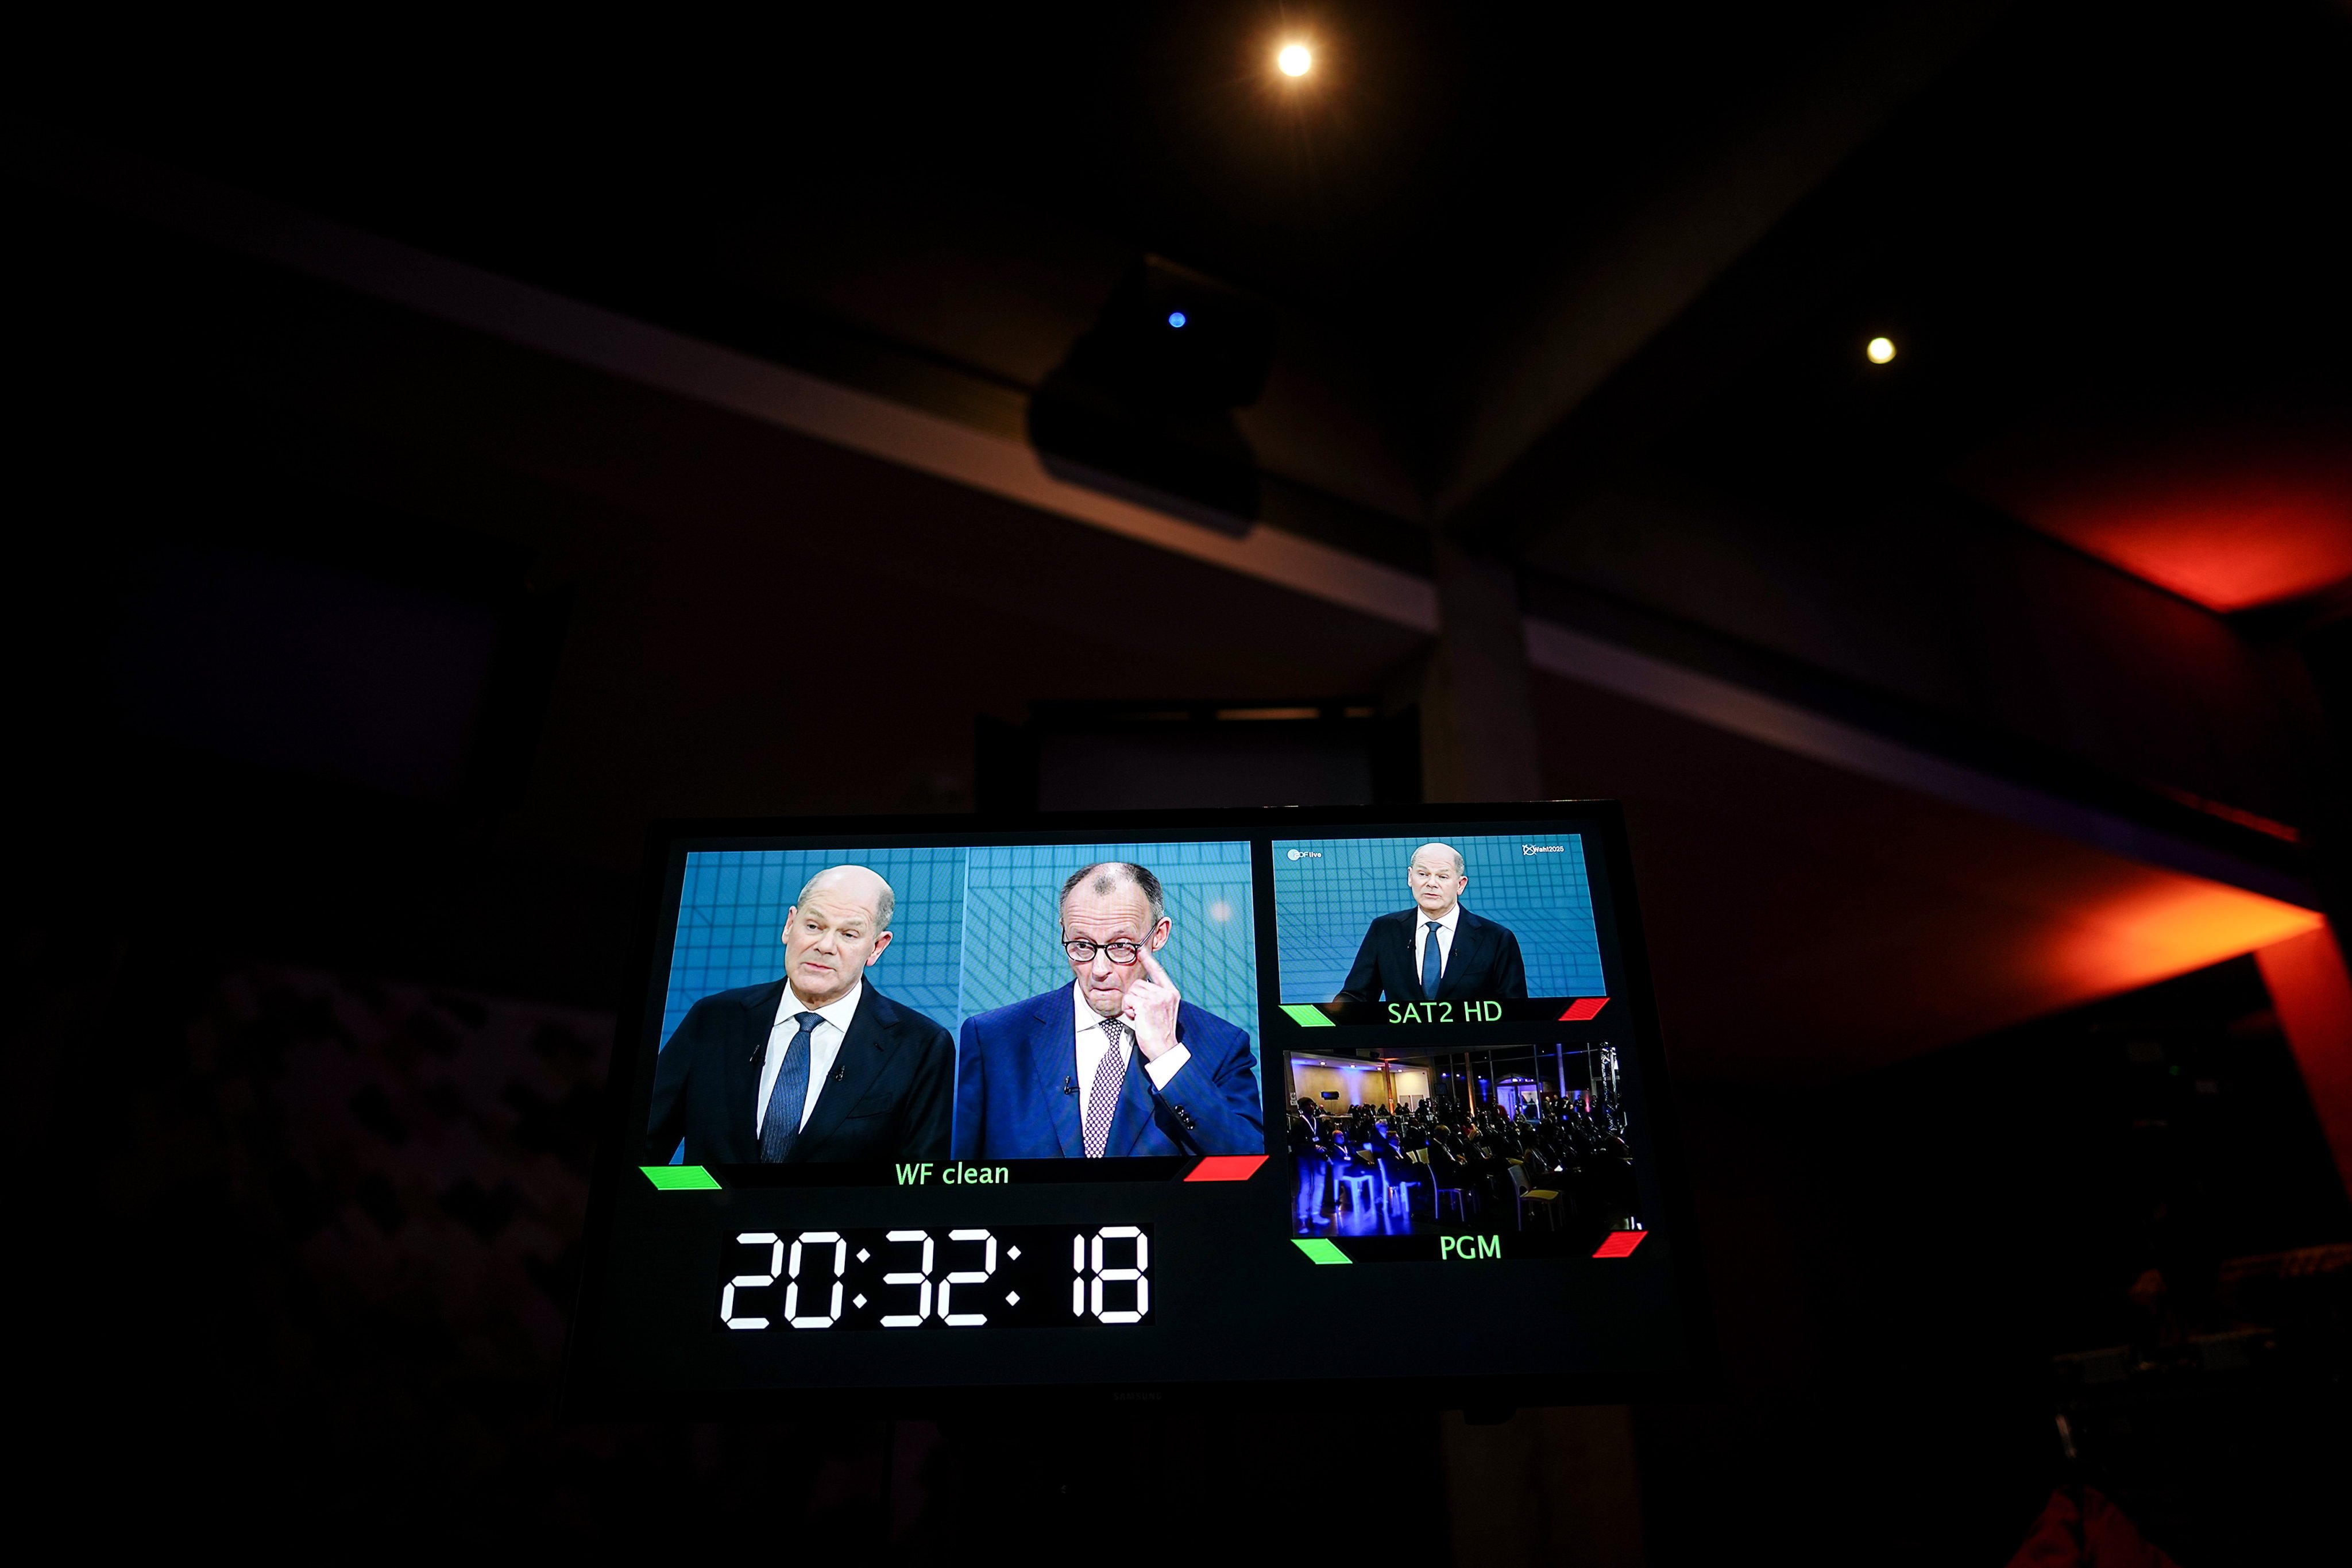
721	377
1546	359
928	443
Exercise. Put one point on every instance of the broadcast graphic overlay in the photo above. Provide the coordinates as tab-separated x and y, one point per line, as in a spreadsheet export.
938	1014
1487	1112
1516	938
897	1099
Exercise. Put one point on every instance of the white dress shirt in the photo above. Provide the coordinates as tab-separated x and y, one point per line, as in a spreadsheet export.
1093	1042
825	1045
1445	924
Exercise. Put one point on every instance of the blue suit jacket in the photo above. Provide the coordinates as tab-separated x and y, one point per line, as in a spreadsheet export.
1013	1065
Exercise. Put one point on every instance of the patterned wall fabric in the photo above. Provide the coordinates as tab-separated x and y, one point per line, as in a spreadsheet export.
1325	896
731	924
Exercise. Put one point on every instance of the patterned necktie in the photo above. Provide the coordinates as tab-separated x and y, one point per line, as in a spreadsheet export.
782	1124
1432	963
1102	1099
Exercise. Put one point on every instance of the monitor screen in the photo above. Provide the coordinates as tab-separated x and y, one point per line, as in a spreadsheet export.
1137	1106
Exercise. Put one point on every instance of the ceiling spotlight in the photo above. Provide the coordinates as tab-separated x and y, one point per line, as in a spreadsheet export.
1295	59
1880	350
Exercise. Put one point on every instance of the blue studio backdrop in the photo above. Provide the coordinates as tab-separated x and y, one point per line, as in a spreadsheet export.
1327	891
973	929
731	924
1013	939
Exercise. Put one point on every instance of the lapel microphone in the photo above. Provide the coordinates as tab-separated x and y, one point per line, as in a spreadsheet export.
1069	1086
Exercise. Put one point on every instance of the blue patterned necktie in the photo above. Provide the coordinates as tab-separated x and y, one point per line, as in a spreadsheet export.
1432	963
782	1124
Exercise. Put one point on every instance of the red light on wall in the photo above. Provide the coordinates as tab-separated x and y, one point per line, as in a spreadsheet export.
2231	518
2307	982
2167	925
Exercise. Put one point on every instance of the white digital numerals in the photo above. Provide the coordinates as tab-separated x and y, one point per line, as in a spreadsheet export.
792	1287
802	1263
808	1246
913	1320
922	1281
1084	1300
979	1276
768	1239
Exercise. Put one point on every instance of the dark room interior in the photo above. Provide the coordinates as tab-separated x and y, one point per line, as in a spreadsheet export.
1903	452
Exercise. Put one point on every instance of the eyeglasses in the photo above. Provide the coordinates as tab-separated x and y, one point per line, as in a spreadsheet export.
1081	950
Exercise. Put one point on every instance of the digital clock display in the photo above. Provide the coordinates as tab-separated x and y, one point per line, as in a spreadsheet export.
891	1096
1079	1276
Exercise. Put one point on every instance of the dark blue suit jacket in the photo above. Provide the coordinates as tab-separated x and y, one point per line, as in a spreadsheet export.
1485	962
887	1097
1011	1101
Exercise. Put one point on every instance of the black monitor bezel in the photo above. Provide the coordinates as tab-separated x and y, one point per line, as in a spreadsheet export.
1602	822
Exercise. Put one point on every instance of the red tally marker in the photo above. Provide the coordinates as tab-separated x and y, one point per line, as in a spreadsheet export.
1620	1243
1225	1168
1583	1007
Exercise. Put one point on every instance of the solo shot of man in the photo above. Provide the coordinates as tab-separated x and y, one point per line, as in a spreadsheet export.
817	1065
1436	950
1116	1063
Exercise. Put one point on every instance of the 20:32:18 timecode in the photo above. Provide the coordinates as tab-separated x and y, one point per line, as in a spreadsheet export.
1025	1277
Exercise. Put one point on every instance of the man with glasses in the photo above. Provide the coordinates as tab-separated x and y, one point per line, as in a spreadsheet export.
1114	1064
1436	950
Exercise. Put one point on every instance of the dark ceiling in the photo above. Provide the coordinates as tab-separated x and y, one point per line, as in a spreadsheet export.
1528	263
1434	151
2122	230
2065	214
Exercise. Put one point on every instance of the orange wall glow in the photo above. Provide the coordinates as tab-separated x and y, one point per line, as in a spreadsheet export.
2228	518
2175	925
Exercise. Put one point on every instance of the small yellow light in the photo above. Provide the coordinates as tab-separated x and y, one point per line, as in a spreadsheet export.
1294	60
1880	350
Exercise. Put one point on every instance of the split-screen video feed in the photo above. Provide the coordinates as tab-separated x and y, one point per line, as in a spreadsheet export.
1476	928
982	1004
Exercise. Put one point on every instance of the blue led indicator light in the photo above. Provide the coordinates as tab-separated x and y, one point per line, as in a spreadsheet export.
1175	318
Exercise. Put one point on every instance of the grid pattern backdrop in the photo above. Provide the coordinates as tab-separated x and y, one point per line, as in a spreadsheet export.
1322	907
1012	935
731	924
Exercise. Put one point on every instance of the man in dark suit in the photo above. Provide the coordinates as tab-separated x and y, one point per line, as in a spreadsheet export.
1116	1063
817	1067
1436	950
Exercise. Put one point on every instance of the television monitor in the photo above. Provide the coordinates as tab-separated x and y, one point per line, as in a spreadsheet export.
1148	1105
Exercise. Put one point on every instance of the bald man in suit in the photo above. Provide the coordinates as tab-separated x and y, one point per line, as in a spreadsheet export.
1116	1063
1436	950
815	1067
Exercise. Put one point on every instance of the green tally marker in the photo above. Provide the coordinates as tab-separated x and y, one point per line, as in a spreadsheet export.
680	1178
